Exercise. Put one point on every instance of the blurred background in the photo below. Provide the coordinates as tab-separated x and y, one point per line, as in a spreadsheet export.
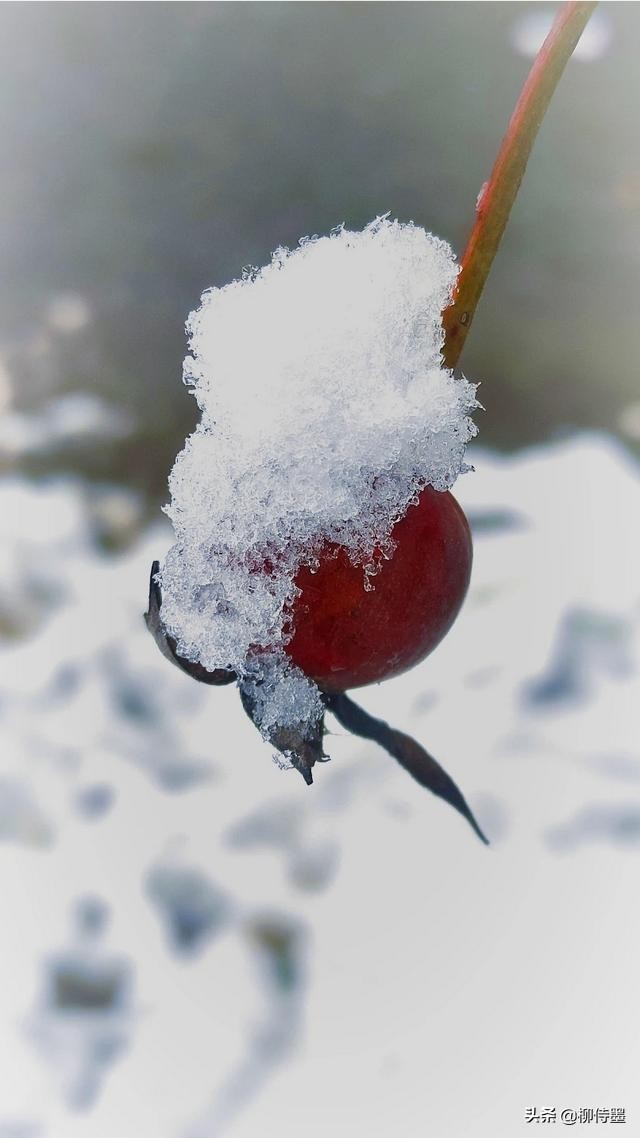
195	943
150	151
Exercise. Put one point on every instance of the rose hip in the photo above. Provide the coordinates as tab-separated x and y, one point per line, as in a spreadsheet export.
344	636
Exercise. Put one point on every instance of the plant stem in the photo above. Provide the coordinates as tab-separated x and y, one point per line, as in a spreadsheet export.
499	193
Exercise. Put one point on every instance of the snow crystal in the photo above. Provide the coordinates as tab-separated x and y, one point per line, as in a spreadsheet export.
325	410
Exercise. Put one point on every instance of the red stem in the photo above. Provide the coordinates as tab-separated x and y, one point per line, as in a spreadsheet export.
499	193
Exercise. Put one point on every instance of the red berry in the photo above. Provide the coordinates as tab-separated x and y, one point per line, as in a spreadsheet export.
345	637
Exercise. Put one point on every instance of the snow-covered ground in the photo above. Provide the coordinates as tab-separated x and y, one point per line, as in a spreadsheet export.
196	943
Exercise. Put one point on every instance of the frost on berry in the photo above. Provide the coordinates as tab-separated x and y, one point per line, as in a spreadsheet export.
325	409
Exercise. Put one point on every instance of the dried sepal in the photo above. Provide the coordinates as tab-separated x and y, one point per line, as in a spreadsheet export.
300	744
413	757
167	644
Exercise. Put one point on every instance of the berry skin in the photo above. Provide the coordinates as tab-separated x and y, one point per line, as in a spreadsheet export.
345	637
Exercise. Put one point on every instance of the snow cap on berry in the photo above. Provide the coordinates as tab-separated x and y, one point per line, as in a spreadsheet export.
325	409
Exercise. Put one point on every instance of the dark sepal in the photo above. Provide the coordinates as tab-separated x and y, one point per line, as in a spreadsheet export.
302	745
167	644
418	762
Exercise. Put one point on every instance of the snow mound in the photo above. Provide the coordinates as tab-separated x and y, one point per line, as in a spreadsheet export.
325	410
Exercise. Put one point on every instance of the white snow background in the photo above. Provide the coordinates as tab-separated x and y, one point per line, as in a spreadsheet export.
427	985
